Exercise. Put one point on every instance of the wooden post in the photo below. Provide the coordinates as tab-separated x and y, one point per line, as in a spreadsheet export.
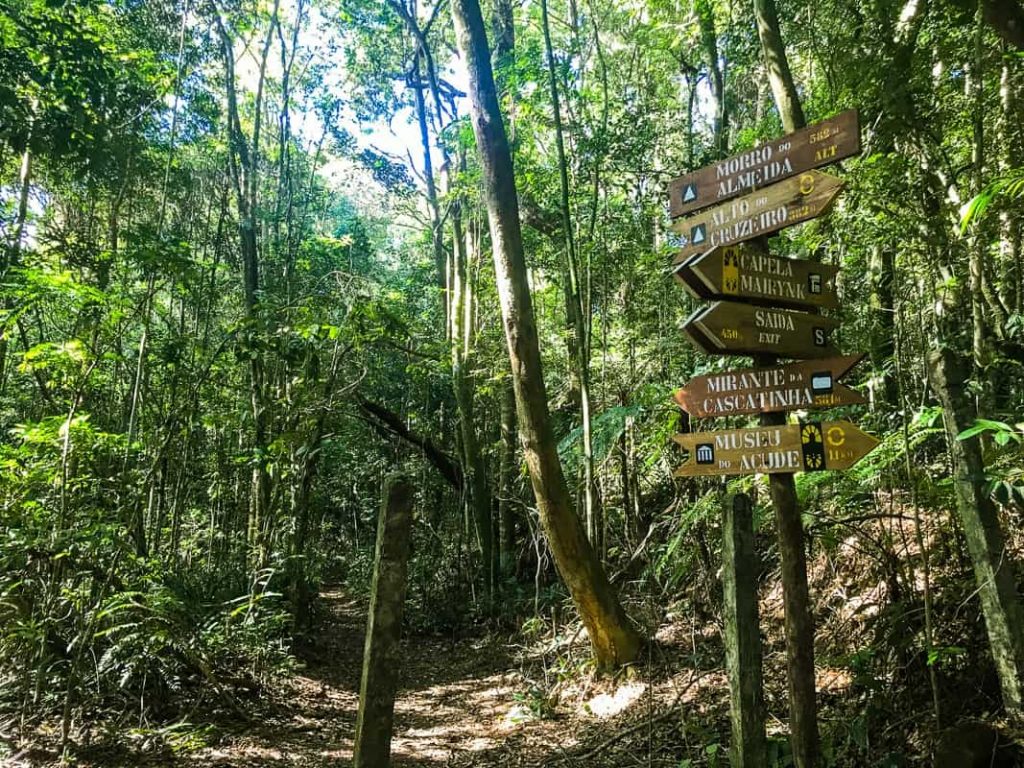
742	634
383	627
796	601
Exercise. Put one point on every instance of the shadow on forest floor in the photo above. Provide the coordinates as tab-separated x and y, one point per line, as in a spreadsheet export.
460	703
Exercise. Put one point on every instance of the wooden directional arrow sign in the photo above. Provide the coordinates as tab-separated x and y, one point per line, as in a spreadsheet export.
748	272
810	384
811	147
768	210
730	328
809	447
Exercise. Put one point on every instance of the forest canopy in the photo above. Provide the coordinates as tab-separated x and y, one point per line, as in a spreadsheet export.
259	256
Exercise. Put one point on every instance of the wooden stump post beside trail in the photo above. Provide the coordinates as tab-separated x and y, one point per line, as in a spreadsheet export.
742	634
384	627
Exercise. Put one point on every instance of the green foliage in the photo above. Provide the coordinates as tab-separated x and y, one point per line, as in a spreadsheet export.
183	464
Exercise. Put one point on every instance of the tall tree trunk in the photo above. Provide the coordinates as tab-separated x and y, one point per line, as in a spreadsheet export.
507	478
614	638
12	252
709	40
243	163
465	395
575	308
777	64
993	565
881	330
436	233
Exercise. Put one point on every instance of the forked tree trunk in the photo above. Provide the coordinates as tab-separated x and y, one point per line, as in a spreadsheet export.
614	638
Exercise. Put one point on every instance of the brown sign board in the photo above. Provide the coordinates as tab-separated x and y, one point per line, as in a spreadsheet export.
808	384
731	328
748	272
811	147
807	447
763	212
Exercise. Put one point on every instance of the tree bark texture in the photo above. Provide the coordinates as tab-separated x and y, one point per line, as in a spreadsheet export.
614	638
742	634
803	712
777	64
993	568
381	658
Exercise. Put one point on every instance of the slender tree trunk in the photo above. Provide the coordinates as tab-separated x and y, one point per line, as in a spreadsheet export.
581	346
507	478
882	330
777	64
12	255
978	247
614	638
243	161
462	380
993	564
709	40
436	233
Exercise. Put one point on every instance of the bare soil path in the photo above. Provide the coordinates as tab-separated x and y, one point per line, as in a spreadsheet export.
452	704
459	704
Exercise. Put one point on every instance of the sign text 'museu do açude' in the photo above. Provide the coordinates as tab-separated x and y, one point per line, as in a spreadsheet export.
806	447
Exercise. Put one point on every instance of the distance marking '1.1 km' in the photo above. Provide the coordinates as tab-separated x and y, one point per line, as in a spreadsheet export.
812	147
731	328
807	384
763	212
806	447
748	272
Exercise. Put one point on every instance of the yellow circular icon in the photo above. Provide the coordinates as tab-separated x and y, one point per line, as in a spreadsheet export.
836	436
806	184
811	434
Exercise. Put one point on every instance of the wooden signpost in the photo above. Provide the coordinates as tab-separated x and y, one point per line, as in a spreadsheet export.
731	328
763	212
811	147
749	273
731	207
808	384
808	447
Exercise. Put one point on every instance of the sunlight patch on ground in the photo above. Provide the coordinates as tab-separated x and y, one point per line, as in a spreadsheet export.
517	715
606	705
833	679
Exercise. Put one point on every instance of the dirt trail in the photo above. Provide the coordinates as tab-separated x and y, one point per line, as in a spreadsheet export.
459	705
452	705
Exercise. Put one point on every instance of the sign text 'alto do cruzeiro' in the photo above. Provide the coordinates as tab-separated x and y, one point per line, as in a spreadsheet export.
756	302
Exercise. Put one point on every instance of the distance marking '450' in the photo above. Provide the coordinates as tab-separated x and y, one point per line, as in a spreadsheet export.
731	328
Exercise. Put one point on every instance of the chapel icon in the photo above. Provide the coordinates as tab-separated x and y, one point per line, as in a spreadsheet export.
730	271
